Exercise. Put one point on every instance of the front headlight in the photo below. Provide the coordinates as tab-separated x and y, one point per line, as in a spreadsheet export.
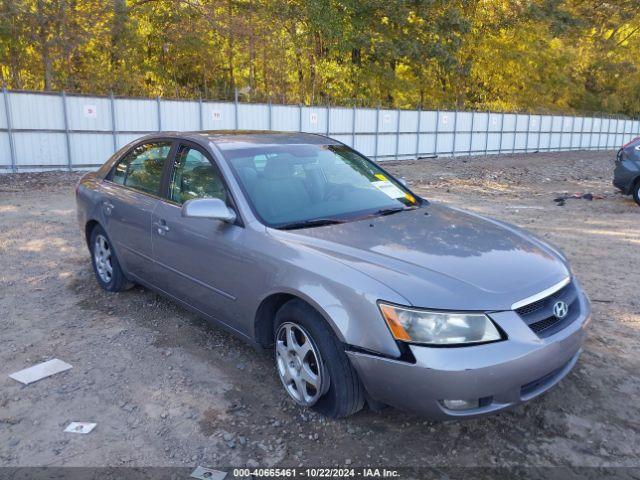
438	328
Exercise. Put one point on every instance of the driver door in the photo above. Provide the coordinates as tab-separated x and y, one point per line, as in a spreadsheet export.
198	258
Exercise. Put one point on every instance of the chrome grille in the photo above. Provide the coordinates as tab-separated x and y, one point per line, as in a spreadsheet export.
539	315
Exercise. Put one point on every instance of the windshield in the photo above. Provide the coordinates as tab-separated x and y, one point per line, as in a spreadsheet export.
293	186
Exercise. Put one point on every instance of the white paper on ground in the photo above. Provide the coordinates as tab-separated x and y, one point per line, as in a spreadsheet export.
208	474
80	427
40	371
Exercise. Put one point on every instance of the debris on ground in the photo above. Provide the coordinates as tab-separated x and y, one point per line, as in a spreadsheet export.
584	196
40	371
204	473
80	427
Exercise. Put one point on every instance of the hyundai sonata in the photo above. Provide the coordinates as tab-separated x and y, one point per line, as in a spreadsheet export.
365	292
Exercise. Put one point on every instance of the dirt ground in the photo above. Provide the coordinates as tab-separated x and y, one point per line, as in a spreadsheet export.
166	389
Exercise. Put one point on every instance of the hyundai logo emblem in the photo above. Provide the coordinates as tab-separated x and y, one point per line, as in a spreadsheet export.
560	309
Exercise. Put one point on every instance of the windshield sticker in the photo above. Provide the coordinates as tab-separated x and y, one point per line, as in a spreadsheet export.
389	189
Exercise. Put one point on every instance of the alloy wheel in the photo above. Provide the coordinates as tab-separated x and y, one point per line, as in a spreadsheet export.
102	257
299	364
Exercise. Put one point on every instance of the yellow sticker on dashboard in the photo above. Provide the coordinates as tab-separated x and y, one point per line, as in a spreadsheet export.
380	176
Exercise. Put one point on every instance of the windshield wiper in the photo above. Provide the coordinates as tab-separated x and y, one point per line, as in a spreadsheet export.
392	210
316	222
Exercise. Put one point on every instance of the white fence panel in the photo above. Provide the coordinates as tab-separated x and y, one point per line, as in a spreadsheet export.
47	131
91	149
89	113
218	116
178	115
135	115
36	111
5	153
341	120
41	149
285	118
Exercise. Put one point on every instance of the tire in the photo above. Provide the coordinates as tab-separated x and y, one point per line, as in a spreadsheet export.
636	191
103	259
340	392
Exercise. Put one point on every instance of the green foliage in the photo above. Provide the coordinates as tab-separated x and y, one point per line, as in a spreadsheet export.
534	55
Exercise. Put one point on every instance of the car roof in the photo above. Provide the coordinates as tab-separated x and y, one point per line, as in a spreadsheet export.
236	139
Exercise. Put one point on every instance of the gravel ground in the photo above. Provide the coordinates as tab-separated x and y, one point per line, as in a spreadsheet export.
166	389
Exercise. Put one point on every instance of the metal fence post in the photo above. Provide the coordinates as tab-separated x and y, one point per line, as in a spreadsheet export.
515	132
526	138
7	112
600	133
299	117
66	129
353	127
418	132
328	119
539	133
235	106
113	122
375	148
435	140
159	113
590	147
397	133
455	130
501	132
200	119
486	134
573	125
473	117
609	133
270	120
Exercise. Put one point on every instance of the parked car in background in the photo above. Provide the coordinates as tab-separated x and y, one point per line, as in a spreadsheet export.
626	175
365	292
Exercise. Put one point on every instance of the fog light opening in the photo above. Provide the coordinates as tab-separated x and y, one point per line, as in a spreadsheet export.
461	404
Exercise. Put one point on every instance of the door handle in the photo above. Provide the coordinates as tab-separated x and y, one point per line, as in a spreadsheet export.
162	227
108	207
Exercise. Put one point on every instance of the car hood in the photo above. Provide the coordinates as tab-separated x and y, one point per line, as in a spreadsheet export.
440	257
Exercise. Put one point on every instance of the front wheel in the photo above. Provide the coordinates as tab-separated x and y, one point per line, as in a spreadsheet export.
636	192
312	364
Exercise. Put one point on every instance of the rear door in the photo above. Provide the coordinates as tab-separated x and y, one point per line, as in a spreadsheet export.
131	192
198	258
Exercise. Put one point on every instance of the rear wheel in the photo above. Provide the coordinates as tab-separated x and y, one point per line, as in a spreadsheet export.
636	191
311	362
105	263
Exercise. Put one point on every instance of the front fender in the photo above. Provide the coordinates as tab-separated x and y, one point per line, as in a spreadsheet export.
346	298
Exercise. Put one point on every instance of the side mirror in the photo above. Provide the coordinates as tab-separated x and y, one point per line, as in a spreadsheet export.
213	208
403	181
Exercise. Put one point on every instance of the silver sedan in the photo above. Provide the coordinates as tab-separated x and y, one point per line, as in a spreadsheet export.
366	293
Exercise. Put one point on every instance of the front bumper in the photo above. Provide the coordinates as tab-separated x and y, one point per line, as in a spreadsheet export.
502	374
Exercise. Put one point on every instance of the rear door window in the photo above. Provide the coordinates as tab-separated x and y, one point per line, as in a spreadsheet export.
141	169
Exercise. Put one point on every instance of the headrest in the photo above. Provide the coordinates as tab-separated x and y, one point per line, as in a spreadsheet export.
278	167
